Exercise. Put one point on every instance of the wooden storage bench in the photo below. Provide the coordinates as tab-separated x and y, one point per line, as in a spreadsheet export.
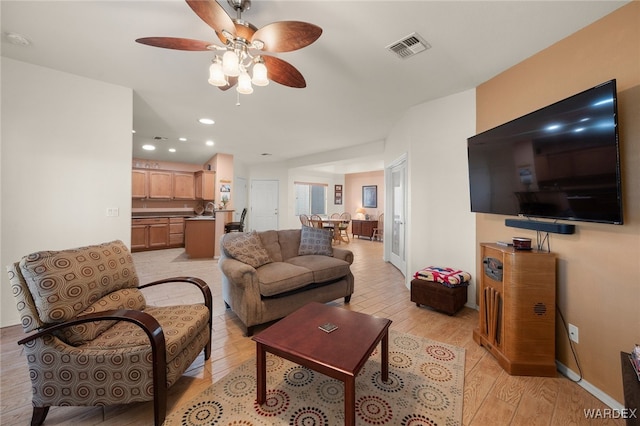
438	296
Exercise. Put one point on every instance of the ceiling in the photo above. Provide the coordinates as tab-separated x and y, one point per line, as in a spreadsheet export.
356	89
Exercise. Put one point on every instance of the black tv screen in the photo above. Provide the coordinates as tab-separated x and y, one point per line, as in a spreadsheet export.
559	162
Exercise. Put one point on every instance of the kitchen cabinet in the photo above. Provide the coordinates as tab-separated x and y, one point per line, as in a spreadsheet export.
363	228
176	231
205	185
147	234
172	185
138	183
160	184
183	186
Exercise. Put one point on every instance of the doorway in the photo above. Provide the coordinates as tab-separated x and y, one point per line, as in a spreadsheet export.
264	204
396	181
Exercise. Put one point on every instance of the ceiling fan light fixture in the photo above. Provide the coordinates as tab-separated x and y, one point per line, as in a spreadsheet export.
237	62
216	75
244	84
260	74
231	63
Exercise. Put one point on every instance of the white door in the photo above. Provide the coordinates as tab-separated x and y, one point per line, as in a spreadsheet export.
264	205
397	181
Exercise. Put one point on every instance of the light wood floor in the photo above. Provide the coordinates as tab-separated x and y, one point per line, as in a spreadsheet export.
491	397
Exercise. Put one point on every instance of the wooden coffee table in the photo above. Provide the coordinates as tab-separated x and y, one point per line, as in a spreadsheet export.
339	354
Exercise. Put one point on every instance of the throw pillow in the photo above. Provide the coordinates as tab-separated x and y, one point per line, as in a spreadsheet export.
315	241
247	248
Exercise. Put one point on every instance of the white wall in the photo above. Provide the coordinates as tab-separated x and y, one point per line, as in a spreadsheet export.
66	157
440	227
286	176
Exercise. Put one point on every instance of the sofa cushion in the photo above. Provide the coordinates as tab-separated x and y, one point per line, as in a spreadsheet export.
324	268
289	240
247	248
315	241
279	277
64	283
271	244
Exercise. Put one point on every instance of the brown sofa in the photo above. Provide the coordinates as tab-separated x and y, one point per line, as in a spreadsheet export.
267	275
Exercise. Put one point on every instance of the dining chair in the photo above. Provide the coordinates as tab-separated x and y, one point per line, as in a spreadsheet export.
304	220
316	221
344	226
236	226
378	231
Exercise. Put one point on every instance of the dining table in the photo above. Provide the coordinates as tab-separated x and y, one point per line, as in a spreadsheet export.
327	222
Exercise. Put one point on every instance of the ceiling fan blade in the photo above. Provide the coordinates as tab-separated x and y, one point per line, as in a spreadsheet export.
175	43
283	72
286	36
213	15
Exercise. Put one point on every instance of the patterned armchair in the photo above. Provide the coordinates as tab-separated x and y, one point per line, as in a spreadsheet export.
95	340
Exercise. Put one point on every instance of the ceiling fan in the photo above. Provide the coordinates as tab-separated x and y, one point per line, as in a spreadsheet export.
243	44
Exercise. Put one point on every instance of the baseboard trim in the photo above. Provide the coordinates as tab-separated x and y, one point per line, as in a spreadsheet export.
593	390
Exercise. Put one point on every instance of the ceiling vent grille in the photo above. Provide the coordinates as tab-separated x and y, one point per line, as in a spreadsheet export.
409	46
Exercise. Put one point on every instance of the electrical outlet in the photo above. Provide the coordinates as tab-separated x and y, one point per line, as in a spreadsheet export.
113	211
573	333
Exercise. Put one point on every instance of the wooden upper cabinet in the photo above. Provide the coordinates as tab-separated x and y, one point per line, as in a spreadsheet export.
160	184
183	186
138	184
205	185
172	185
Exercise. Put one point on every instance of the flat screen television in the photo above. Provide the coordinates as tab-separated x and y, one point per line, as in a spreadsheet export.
559	162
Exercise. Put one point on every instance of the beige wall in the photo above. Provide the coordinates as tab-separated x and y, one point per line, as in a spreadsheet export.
598	284
222	164
353	184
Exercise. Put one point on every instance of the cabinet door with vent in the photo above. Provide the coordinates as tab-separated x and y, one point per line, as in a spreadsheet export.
517	290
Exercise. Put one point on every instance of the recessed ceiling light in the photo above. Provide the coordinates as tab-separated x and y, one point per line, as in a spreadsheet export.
182	139
148	147
172	150
210	143
206	121
133	131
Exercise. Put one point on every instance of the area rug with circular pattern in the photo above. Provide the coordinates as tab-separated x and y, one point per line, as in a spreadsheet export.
425	387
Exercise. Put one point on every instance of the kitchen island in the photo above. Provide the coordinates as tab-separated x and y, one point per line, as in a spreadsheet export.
199	237
202	234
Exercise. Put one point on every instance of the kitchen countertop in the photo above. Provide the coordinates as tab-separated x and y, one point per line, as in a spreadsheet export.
188	214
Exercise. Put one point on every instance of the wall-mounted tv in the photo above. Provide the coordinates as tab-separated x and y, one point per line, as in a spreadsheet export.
559	162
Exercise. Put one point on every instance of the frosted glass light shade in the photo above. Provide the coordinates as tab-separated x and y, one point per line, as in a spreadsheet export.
244	84
230	64
260	74
216	76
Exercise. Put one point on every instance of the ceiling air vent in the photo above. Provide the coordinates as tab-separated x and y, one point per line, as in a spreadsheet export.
408	46
159	138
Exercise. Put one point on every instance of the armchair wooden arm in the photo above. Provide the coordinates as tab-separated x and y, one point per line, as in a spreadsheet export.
206	294
156	339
